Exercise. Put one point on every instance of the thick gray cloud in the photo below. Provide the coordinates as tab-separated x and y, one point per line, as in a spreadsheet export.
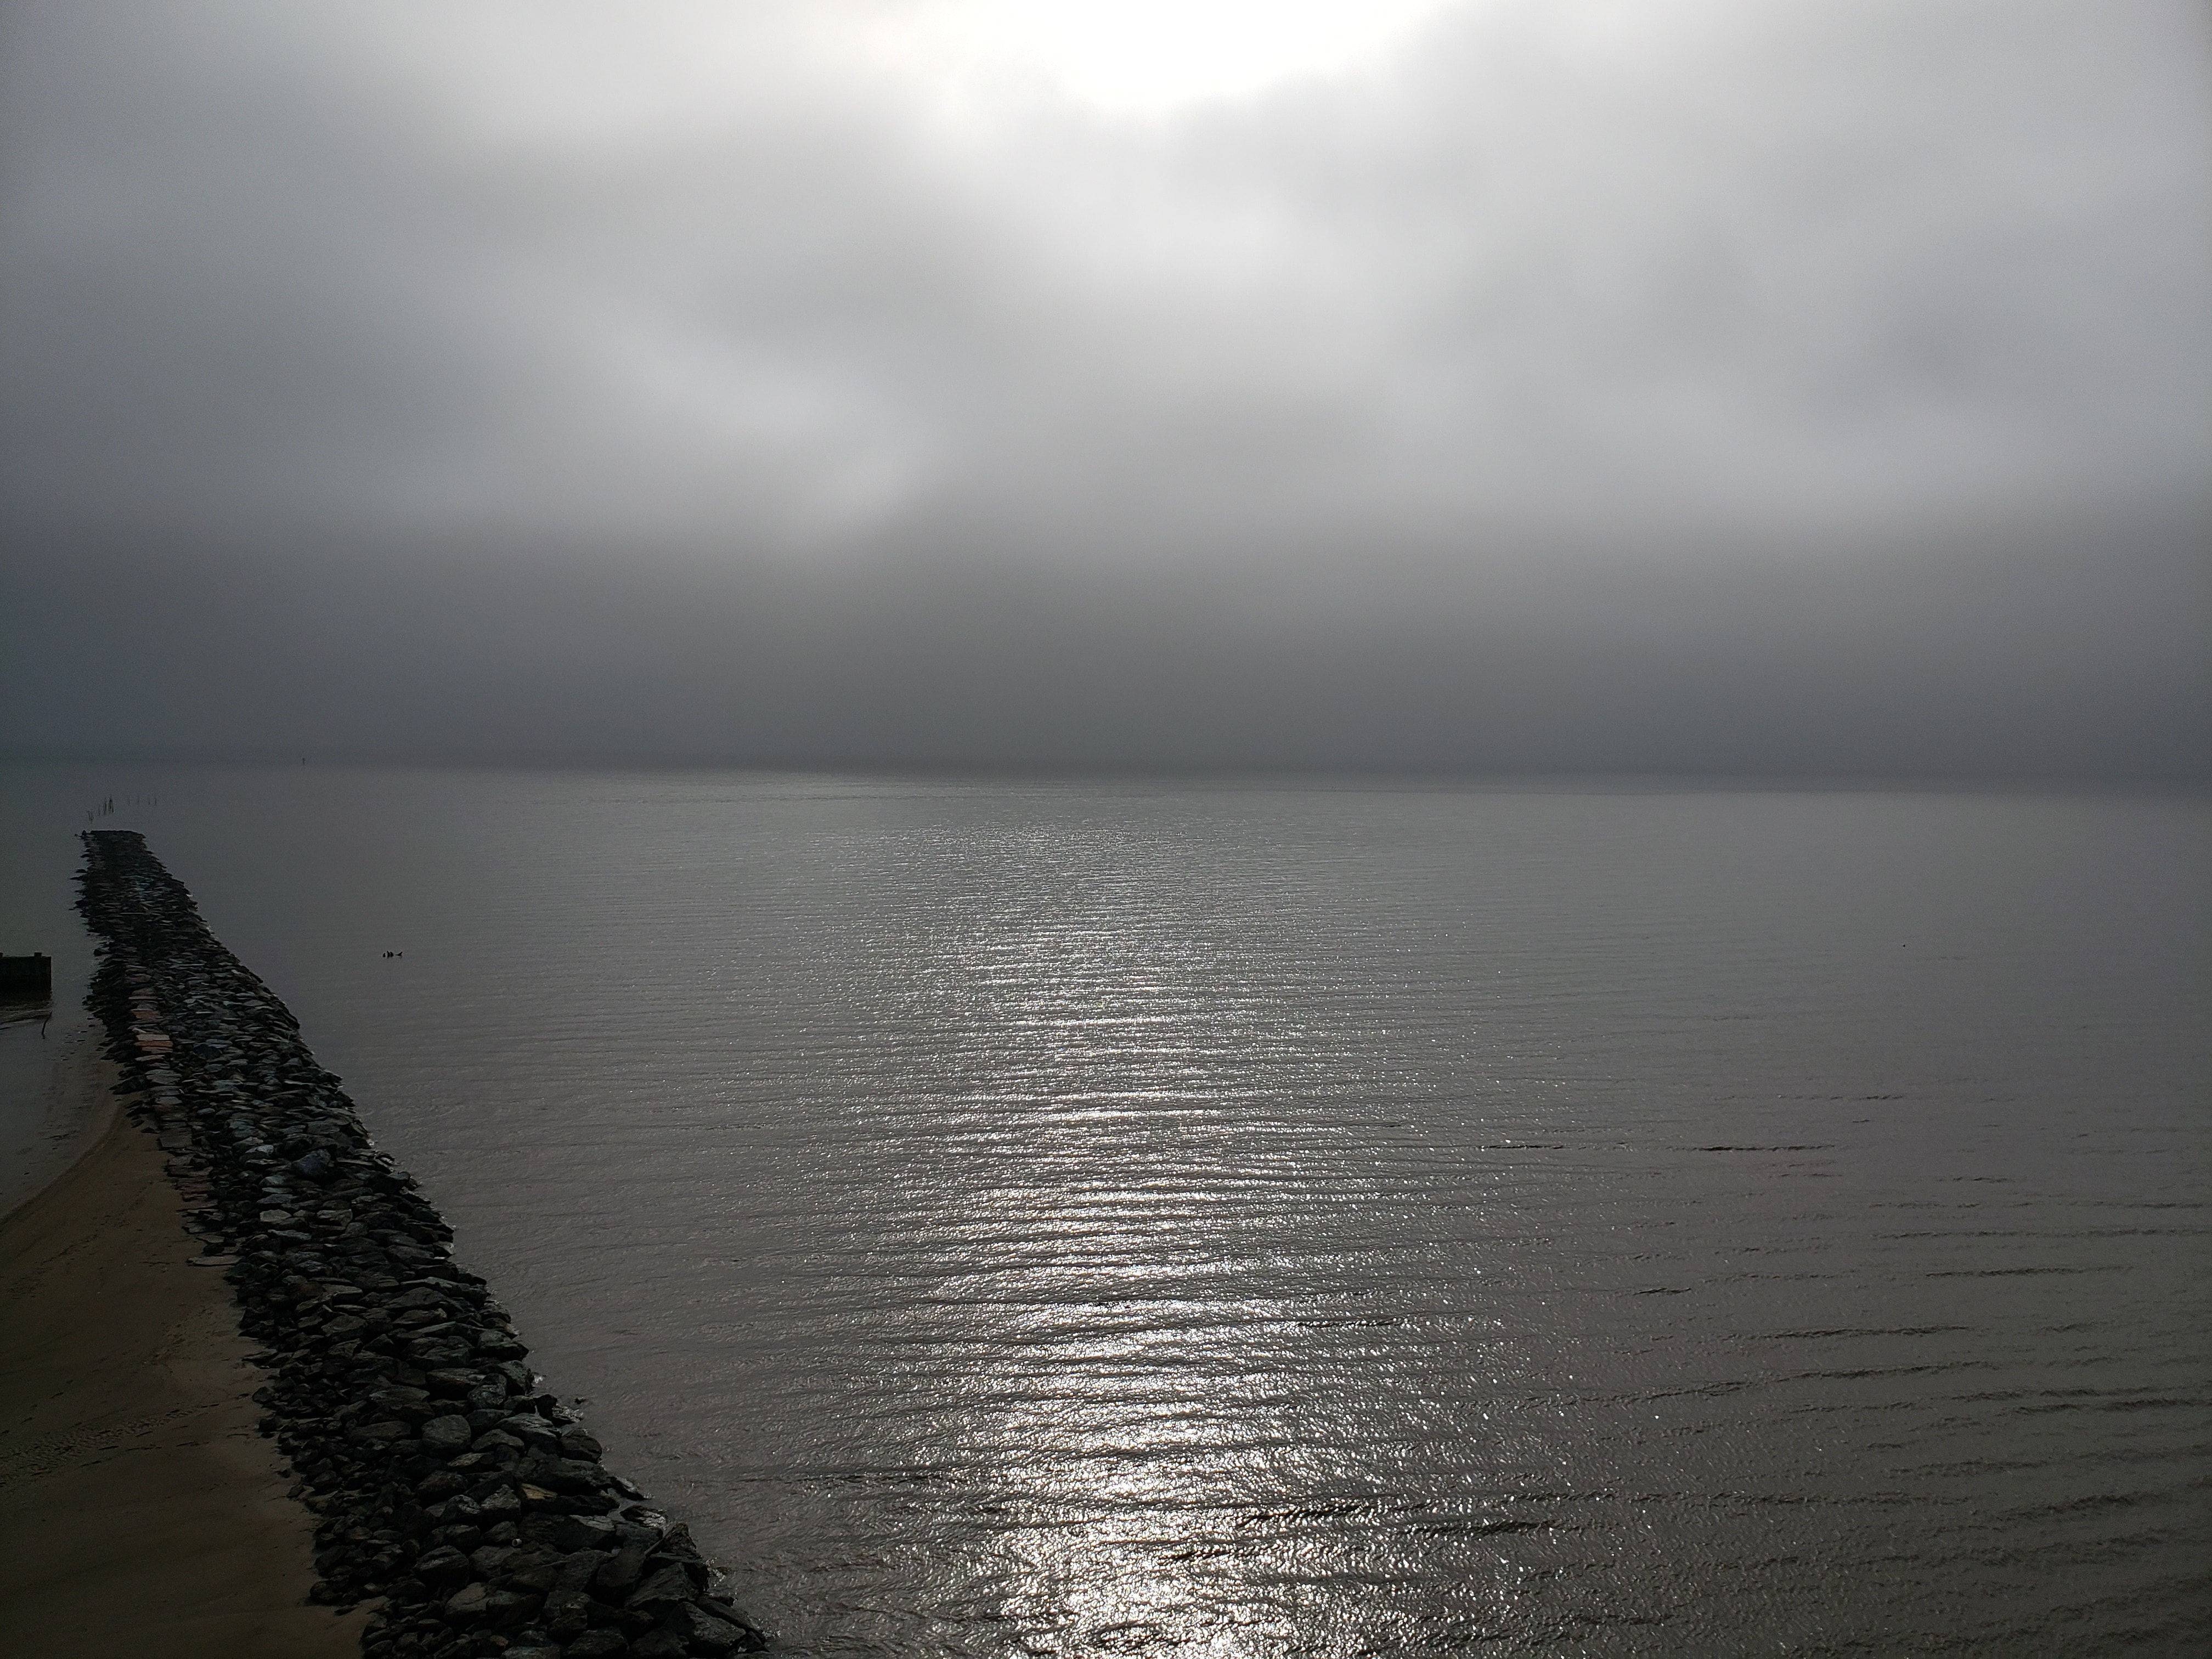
1572	385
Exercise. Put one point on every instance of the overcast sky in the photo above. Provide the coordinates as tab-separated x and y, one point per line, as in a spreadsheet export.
1555	384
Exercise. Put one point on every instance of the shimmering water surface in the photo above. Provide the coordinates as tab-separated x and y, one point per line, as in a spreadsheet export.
1073	1218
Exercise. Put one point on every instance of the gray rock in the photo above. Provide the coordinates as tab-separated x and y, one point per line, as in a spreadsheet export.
532	1570
501	1505
506	1609
668	1587
697	1629
577	1569
675	1540
598	1645
445	1436
571	1474
442	1568
567	1614
456	1511
469	1602
572	1532
619	1573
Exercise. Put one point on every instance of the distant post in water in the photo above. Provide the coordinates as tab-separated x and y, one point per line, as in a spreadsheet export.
27	976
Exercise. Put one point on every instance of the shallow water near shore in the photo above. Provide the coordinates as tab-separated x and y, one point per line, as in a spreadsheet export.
1228	1219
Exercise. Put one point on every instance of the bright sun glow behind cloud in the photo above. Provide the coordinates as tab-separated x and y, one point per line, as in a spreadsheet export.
1148	56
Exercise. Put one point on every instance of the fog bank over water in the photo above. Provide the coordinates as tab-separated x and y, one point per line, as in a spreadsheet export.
2009	661
1571	386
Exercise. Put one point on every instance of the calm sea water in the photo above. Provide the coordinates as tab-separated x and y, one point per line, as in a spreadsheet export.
1114	1218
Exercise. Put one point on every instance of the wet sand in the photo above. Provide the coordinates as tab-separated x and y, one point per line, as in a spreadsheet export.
43	1115
139	1512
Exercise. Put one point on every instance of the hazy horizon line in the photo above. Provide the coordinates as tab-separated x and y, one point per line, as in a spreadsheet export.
994	769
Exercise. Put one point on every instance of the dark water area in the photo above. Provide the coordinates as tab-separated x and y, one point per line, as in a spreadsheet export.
1238	1219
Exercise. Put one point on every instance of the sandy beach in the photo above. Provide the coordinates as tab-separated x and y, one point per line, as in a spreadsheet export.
141	1512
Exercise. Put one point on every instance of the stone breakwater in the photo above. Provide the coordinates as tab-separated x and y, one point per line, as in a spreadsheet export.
451	1487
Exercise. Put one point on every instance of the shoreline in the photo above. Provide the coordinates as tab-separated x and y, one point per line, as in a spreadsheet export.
456	1499
141	1513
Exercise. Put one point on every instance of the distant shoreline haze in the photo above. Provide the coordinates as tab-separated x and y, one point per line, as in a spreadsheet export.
1318	776
2085	658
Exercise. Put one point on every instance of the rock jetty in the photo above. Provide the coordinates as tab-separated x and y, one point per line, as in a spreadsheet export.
454	1492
